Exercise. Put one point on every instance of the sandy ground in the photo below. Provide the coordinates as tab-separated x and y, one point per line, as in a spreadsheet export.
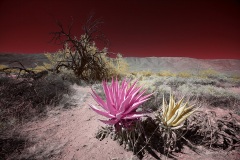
70	135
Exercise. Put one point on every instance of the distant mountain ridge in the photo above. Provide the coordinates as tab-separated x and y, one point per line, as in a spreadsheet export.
154	64
28	60
181	64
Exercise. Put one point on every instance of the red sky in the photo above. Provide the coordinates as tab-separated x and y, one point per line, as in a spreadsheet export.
140	28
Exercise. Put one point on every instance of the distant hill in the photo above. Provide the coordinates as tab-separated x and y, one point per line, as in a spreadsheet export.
28	60
155	64
180	64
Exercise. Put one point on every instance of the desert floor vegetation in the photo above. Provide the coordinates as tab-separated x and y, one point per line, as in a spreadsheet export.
23	100
147	112
213	132
33	98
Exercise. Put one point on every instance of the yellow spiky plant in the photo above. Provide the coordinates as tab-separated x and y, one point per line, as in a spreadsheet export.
175	113
171	120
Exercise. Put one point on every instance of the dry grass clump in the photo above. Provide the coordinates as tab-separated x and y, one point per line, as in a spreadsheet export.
24	99
17	70
166	74
202	81
184	74
144	73
214	132
2	66
209	73
11	145
174	82
215	96
235	79
45	67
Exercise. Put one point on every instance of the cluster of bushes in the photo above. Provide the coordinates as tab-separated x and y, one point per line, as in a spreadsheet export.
210	91
131	123
150	134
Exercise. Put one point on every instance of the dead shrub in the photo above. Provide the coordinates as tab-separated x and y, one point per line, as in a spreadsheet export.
214	132
81	55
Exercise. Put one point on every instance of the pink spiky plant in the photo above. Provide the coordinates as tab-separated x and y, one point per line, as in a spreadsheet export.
121	103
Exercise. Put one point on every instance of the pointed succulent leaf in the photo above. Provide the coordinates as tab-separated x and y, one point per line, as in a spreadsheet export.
134	115
108	98
108	115
183	118
135	106
99	100
131	88
180	112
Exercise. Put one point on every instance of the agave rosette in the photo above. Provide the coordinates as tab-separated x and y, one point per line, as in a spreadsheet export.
122	102
175	113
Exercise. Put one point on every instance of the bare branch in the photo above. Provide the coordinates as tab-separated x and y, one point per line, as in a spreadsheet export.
80	57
